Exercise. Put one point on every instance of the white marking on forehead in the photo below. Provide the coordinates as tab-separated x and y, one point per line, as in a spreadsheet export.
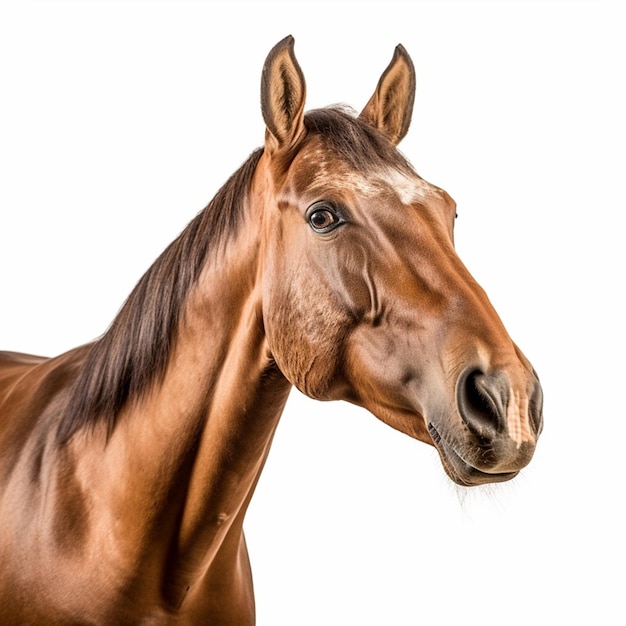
517	419
408	188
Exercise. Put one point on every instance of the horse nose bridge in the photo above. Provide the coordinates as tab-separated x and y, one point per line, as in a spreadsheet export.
469	315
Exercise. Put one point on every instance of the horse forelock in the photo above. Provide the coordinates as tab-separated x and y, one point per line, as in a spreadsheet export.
133	353
354	141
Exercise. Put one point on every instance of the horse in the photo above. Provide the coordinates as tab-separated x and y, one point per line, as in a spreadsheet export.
325	262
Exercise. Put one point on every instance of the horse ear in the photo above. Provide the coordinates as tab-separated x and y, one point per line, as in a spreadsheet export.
390	108
282	97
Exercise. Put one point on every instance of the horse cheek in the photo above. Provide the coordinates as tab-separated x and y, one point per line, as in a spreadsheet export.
305	332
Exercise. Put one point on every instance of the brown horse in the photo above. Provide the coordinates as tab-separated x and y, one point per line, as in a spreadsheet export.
325	262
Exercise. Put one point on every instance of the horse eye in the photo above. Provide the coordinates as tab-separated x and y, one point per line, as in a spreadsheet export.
323	220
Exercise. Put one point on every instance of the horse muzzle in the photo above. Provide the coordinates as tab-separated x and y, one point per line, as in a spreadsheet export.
496	431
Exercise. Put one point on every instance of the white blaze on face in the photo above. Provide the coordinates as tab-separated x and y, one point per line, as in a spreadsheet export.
517	419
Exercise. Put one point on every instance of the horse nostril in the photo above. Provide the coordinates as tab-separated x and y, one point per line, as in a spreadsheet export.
482	402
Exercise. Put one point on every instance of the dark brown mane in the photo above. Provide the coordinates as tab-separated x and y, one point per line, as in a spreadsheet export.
134	351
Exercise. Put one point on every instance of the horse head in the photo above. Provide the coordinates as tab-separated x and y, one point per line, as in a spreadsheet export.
364	296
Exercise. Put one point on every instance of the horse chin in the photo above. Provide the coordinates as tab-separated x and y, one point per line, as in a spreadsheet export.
459	470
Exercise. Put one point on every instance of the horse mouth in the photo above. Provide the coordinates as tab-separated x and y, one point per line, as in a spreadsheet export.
459	470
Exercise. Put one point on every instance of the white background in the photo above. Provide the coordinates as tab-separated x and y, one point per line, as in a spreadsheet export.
120	120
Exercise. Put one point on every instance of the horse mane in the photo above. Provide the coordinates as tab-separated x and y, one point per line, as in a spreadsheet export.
133	354
134	351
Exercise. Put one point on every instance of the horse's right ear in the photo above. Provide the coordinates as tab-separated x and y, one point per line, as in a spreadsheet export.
390	108
282	97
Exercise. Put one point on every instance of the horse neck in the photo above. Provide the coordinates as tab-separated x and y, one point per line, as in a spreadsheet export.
183	462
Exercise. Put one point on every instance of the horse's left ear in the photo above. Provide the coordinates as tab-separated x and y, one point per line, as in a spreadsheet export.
390	108
282	97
